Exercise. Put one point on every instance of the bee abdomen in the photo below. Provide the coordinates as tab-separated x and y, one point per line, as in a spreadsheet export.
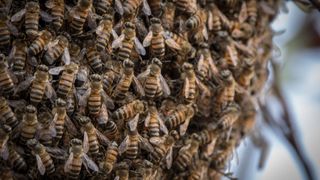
58	13
36	93
4	35
65	85
158	46
158	153
182	161
150	88
6	83
125	51
132	151
17	162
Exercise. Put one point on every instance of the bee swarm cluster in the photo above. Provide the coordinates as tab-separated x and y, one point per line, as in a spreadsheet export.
141	89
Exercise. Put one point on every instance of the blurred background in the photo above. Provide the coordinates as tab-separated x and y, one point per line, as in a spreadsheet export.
300	81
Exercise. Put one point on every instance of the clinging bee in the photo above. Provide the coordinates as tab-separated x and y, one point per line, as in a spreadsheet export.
104	30
167	17
247	73
47	131
6	80
7	116
129	110
153	82
78	157
93	56
154	123
131	7
157	39
229	116
186	6
57	12
110	158
18	55
122	171
205	63
6	29
29	124
5	132
40	43
78	15
16	160
57	48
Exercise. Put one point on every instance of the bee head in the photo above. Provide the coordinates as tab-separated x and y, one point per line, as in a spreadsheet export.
43	68
156	66
175	135
76	145
249	62
95	77
195	137
48	33
128	63
83	120
203	45
33	144
66	36
187	66
72	68
225	74
155	21
31	109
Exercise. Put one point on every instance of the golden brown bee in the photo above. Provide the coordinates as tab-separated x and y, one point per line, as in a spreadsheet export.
168	15
111	157
67	79
122	171
153	82
198	170
167	107
133	141
78	15
131	7
186	6
5	30
40	42
5	132
227	91
189	90
157	39
247	120
57	11
109	78
29	124
129	110
247	73
197	20
47	130
7	116
181	117
122	87
101	6
231	56
44	160
111	130
187	152
78	157
16	160
104	31
205	65
57	48
229	116
156	7
93	56
126	41
6	81
154	122
95	98
18	55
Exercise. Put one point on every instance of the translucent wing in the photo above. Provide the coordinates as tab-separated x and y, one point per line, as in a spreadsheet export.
12	53
138	87
57	153
147	40
51	44
213	67
56	70
205	33
209	148
124	145
84	98
183	127
134	122
147	120
139	47
32	61
163	127
50	92
102	138
91	18
68	163
13	29
88	162
85	142
66	56
99	30
41	167
107	100
186	87
169	158
164	86
144	143
18	16
70	126
146	8
243	15
103	115
170	42
118	42
24	85
210	20
52	129
45	16
4	152
141	77
114	34
118	6
233	57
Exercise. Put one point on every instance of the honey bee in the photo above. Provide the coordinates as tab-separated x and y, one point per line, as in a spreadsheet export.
227	92
40	85
57	12
111	157
57	48
163	148
67	79
47	130
94	98
93	57
126	41
157	39
78	157
198	170
29	124
208	139
131	6
241	29
101	6
111	130
5	132
31	14
39	44
44	160
181	117
168	14
197	20
247	120
247	73
122	87
154	123
122	171
167	107
133	141
109	78
231	56
129	110
156	7
104	31
18	55
77	16
6	29
229	116
7	116
186	6
187	152
16	160
153	82
91	135
206	65
6	80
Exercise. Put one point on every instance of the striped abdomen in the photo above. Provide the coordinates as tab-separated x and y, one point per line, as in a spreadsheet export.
122	87
47	162
4	34
111	158
133	147
78	21
190	91
37	46
31	23
102	40
155	6
130	6
151	87
28	131
46	138
158	46
94	103
59	127
183	160
75	168
37	92
65	85
19	59
16	161
125	50
174	120
123	113
102	5
158	153
94	61
58	14
93	142
6	83
154	127
9	117
111	130
54	53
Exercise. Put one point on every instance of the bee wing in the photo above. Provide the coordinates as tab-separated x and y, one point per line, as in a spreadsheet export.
124	145
91	18
102	138
141	77
134	122
139	47
185	89
205	33
210	20
18	16
138	87
183	127
163	127
99	30
114	34
56	70
50	92
118	6
52	129
85	142
233	58
50	4
66	56
147	120
118	42
209	148
243	15
107	100
13	29
70	126
24	85
41	167
164	86
57	153
147	40
213	67
88	162
170	42
11	55
144	144
68	163
51	44
169	158
146	8
45	16
103	116
32	61
84	98
117	178
4	151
